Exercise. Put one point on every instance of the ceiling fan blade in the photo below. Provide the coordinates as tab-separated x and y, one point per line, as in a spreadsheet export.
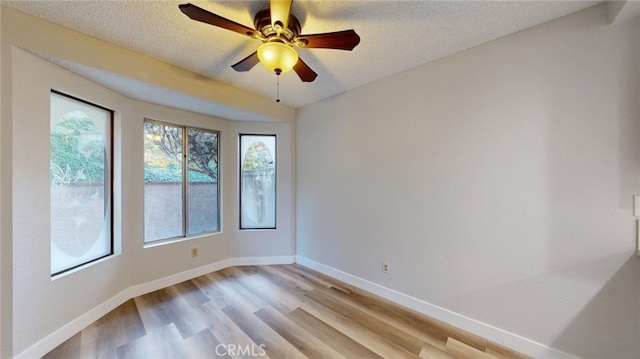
340	40
247	63
304	71
280	10
202	15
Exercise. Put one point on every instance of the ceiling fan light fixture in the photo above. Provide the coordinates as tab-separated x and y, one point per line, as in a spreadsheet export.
277	57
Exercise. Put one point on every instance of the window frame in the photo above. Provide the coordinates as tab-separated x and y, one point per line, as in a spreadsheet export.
240	182
185	184
109	175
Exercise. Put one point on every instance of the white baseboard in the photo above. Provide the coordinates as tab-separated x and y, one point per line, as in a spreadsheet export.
264	261
483	330
48	343
58	337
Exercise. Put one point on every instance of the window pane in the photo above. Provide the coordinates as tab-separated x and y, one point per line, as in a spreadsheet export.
257	181
80	147
163	190
202	185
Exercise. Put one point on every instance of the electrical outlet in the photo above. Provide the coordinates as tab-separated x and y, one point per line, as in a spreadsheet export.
385	267
194	251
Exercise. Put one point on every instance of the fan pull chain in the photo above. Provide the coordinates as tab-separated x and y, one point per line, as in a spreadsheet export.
277	87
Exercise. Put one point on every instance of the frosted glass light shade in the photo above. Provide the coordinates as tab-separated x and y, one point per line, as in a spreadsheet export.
277	57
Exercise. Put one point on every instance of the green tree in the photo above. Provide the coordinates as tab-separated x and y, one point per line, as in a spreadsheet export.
77	149
258	157
203	154
163	162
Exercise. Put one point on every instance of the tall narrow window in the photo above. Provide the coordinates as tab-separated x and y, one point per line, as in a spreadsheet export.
80	176
257	181
181	191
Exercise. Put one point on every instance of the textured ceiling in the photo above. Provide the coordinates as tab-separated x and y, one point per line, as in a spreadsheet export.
395	35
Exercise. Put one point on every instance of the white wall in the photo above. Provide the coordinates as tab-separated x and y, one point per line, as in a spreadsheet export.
38	313
497	182
5	206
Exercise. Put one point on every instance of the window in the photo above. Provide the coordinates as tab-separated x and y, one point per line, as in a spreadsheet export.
80	175
181	192
257	181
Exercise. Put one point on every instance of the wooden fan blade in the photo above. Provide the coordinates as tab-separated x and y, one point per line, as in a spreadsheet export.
202	15
247	63
280	10
304	71
340	40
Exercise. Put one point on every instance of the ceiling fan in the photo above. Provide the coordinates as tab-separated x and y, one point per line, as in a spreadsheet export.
279	30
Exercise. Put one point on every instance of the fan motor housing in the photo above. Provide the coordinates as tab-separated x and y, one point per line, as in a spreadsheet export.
262	22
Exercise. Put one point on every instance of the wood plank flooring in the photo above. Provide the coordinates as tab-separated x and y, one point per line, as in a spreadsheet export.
284	311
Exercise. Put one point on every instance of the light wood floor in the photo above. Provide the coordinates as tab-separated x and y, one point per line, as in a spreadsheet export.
285	311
